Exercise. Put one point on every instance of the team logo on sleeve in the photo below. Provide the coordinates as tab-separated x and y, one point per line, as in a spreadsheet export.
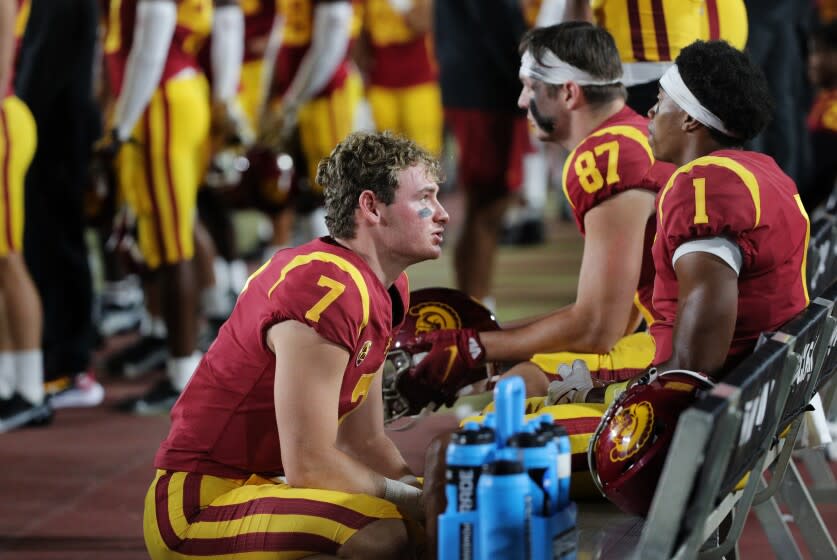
364	351
630	430
434	315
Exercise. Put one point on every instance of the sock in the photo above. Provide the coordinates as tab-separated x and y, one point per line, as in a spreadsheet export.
8	378
180	370
29	365
153	326
215	302
238	275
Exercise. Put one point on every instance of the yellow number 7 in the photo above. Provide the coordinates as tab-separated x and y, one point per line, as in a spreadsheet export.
335	288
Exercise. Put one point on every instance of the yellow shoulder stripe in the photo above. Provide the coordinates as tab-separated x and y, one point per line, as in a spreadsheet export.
618	130
742	172
339	262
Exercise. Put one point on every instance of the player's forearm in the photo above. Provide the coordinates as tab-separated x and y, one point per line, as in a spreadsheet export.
328	48
702	334
331	469
227	51
8	10
578	10
570	329
381	455
154	29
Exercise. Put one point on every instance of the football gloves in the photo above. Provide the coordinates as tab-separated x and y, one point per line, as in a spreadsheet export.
573	386
454	358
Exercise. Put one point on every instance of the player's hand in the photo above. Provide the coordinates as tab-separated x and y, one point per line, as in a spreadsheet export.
573	386
229	126
278	127
454	359
102	171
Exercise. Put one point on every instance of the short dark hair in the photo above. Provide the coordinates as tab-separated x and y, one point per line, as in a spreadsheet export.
585	46
366	161
726	82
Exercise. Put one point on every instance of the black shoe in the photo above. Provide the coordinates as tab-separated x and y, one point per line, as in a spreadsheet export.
145	355
158	400
16	412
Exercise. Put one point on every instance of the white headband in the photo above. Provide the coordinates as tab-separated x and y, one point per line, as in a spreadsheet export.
673	85
555	71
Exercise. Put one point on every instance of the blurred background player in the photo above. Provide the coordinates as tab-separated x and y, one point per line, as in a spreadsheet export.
21	316
777	43
311	103
649	34
158	139
402	86
822	118
54	79
476	48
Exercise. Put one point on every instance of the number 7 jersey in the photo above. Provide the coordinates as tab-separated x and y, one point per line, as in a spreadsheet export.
746	198
224	423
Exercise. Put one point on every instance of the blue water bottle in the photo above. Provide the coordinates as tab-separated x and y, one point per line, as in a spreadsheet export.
539	462
467	452
509	404
505	505
563	462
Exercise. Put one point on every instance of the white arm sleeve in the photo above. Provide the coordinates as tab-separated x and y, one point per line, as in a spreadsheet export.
227	51
153	30
551	12
330	39
721	247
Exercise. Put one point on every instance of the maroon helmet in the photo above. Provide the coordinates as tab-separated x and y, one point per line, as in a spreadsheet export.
628	450
255	177
430	309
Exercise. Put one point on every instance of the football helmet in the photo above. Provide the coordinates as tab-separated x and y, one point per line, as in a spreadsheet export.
430	309
255	177
628	450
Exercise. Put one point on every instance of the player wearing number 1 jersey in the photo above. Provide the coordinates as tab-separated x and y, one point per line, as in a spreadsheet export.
314	321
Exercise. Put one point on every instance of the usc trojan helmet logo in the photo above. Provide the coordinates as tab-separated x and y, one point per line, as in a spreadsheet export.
630	430
434	315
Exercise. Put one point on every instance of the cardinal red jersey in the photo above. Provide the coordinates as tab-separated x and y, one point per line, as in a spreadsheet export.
401	57
224	423
612	159
823	115
746	198
297	32
194	23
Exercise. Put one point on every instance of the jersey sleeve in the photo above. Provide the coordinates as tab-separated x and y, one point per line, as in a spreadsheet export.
710	201
330	298
603	166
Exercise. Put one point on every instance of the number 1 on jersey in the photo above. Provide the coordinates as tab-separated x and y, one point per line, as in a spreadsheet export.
700	200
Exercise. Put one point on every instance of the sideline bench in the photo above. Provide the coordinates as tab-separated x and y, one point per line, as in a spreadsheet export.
746	425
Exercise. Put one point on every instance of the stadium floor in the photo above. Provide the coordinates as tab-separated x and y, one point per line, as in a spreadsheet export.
74	490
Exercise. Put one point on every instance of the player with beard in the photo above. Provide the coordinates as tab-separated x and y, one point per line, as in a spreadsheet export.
572	91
